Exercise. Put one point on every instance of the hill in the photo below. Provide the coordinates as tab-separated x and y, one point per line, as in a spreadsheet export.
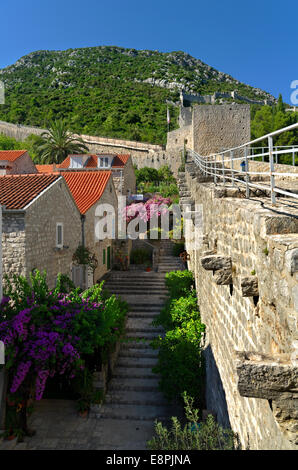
109	91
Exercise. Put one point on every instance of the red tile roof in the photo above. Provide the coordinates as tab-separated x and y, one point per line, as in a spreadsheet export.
118	162
17	191
46	168
11	155
86	187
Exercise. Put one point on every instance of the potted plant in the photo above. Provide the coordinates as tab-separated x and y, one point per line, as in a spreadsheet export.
83	405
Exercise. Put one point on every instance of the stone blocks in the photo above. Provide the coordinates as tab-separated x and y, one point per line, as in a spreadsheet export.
249	286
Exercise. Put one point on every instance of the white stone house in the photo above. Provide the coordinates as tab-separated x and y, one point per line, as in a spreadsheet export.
41	226
90	189
14	162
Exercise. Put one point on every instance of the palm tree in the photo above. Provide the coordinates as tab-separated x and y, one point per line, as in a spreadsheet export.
58	143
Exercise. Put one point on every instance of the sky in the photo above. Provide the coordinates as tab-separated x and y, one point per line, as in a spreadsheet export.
255	42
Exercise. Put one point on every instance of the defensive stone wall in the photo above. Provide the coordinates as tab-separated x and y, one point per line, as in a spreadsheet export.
246	273
219	127
138	150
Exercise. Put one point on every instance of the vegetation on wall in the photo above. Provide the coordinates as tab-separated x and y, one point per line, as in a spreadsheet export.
108	91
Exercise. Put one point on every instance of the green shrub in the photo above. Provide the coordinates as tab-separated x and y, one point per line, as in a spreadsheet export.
168	190
180	361
195	435
140	256
146	174
179	282
177	311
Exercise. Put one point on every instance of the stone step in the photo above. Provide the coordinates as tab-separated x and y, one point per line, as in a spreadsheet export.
141	306
142	385
134	412
129	397
127	362
140	336
136	282
137	345
141	324
133	373
138	289
139	330
138	353
139	314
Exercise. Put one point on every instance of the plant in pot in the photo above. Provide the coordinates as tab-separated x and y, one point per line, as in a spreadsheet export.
148	267
83	406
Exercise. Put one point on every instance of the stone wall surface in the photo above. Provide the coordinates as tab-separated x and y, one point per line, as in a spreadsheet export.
261	241
97	246
13	244
22	165
180	137
218	127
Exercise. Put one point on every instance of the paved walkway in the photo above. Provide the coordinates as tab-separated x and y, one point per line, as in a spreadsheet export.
133	401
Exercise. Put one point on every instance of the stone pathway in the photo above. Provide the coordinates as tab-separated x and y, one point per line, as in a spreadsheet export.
133	401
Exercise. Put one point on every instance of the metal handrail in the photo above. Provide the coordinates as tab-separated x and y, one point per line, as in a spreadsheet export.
222	168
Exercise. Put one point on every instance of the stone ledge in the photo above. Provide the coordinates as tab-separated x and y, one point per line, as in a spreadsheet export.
223	277
249	286
274	378
216	262
263	376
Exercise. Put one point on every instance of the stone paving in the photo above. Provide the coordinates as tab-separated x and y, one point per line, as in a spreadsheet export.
133	401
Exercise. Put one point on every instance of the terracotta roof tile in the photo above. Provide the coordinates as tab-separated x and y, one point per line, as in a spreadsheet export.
17	191
11	155
120	161
46	168
86	187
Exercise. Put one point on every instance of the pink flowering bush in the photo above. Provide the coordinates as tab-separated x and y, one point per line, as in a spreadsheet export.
157	205
48	333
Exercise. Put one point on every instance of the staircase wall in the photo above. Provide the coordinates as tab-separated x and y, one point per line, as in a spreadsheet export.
262	242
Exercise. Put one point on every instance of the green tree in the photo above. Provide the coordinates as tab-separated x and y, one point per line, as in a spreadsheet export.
58	142
280	104
147	174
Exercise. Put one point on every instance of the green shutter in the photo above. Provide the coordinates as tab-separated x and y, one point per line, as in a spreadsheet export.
104	256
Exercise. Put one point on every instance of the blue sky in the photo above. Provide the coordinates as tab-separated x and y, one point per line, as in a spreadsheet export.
255	42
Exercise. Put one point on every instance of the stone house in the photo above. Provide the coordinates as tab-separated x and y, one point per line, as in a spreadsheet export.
41	225
13	162
89	189
121	167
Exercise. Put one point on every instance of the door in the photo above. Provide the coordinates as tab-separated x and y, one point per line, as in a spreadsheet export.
109	257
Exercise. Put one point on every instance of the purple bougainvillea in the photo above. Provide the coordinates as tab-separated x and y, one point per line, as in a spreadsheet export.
44	339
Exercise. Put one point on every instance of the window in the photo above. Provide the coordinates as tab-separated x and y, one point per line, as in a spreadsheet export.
59	235
104	162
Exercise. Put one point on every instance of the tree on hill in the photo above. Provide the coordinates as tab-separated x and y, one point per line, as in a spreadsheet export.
58	142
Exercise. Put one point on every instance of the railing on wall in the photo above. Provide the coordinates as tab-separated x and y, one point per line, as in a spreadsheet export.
221	165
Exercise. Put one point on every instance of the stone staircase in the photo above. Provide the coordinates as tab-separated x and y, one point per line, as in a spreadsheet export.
133	395
168	262
184	193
